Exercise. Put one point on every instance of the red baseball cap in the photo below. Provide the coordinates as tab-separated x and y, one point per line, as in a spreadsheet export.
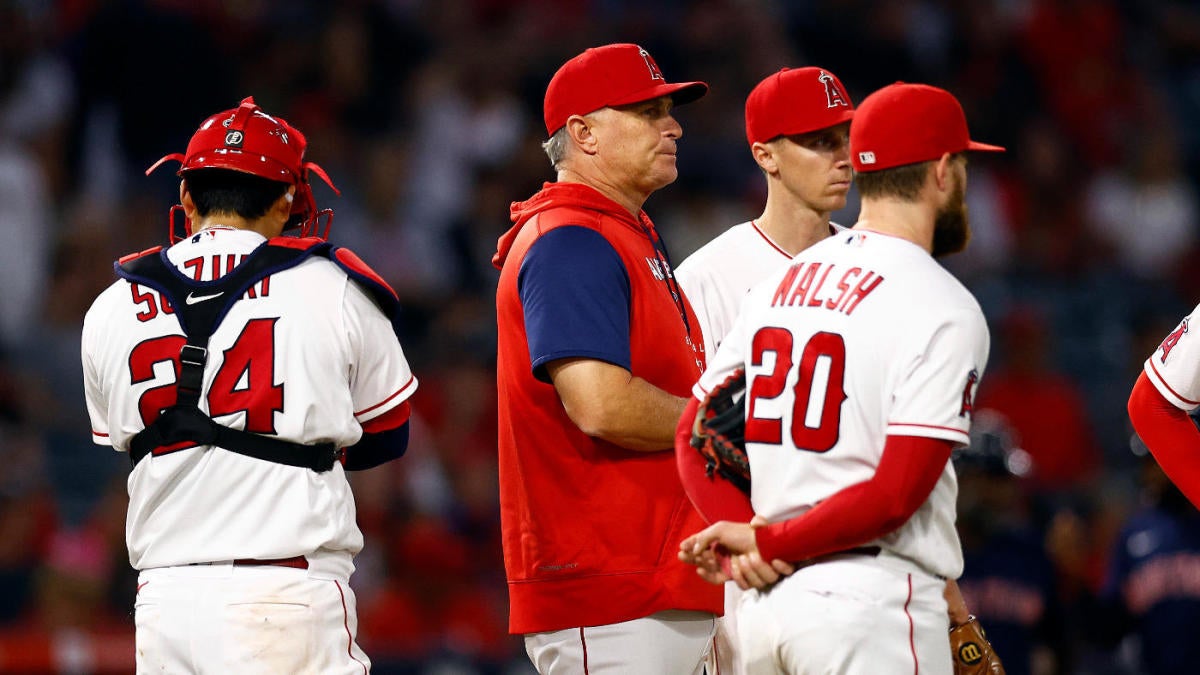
908	123
612	75
796	101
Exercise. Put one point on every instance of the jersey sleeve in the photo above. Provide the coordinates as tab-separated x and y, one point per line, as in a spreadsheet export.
935	396
576	297
93	392
729	357
381	379
1174	368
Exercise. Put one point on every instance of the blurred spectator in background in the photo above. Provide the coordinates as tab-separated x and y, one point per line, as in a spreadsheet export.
1045	408
1152	592
1008	579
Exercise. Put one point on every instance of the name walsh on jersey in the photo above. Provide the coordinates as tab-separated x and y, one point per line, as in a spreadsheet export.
815	284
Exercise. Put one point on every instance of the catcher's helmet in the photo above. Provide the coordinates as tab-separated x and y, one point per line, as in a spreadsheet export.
248	140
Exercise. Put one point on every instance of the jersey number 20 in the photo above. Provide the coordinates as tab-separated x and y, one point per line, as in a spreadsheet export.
244	383
817	395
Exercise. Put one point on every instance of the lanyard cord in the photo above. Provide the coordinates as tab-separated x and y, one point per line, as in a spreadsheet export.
664	260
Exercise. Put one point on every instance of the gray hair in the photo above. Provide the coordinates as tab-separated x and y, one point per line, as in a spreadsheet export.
556	147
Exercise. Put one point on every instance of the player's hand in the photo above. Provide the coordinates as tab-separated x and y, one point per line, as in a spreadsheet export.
749	570
714	550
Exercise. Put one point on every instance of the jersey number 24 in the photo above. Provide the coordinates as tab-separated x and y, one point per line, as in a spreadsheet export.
244	383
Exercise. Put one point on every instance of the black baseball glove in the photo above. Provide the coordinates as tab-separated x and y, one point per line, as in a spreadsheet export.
719	433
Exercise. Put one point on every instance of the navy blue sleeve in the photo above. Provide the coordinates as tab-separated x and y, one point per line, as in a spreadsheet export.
575	292
377	448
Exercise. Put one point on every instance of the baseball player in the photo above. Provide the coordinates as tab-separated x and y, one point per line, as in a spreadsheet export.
245	373
597	350
797	124
798	127
857	392
1162	398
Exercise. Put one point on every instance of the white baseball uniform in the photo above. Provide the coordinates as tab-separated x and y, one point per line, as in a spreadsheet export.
305	355
715	278
1172	367
863	336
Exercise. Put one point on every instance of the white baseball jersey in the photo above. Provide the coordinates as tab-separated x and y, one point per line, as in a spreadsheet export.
1172	368
863	336
305	355
717	276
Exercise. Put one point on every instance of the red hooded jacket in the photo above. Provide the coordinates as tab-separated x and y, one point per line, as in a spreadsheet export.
591	529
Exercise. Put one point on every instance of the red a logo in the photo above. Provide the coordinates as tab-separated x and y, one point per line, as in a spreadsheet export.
968	395
1172	340
834	95
655	73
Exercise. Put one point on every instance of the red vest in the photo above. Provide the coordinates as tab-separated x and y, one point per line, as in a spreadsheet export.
590	529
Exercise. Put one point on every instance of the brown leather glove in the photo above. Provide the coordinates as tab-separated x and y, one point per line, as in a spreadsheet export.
973	654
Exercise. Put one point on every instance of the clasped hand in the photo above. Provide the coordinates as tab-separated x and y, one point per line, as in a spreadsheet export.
727	551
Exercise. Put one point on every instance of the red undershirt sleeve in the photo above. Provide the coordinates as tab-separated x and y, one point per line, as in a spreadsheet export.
907	473
715	498
1170	434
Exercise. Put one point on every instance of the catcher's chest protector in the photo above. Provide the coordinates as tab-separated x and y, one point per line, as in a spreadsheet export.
200	307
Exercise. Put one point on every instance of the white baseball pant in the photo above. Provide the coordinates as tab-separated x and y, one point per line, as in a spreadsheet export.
850	615
221	618
672	642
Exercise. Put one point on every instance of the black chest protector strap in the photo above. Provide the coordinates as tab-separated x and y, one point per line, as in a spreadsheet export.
200	308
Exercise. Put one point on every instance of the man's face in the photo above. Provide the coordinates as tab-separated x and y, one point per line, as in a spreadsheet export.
952	227
815	167
637	144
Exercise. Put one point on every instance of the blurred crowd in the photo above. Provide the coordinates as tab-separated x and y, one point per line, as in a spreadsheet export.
427	116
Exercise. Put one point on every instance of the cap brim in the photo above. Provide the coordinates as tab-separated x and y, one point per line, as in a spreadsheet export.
680	93
984	147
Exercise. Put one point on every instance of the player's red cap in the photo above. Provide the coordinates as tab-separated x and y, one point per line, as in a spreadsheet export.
611	75
908	123
796	101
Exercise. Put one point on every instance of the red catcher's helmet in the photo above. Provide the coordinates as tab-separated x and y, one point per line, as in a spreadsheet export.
249	140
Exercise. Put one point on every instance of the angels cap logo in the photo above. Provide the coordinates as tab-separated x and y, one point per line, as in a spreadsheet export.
655	73
1172	340
834	96
234	139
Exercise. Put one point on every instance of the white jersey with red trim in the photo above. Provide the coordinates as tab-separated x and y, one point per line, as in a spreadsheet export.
1172	368
306	356
863	336
717	276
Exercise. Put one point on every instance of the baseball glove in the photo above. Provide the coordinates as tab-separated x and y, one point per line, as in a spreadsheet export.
973	654
719	433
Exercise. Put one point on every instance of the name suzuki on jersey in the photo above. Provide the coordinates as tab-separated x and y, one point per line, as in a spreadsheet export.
202	268
804	285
